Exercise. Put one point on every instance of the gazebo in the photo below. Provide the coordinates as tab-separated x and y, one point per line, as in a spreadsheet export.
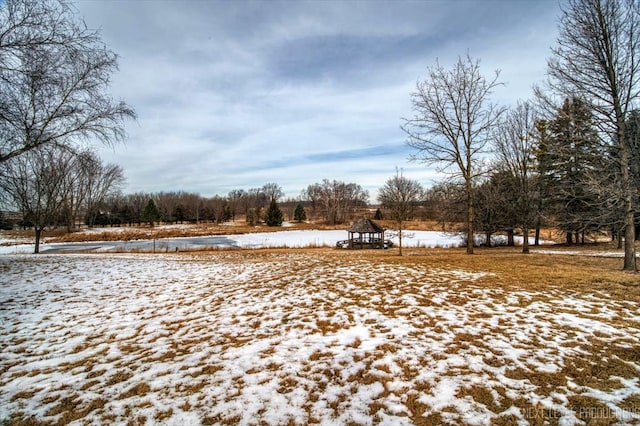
365	233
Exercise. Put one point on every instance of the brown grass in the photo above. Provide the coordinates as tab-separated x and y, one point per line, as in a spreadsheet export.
597	363
140	389
534	271
592	411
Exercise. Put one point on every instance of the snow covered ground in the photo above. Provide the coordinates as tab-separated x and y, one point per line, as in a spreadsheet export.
292	239
324	337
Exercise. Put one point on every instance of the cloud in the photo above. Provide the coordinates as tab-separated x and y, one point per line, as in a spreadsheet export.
235	94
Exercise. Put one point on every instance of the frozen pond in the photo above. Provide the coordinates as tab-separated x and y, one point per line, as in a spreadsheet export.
293	239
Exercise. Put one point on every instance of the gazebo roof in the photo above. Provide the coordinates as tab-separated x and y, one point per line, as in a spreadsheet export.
366	226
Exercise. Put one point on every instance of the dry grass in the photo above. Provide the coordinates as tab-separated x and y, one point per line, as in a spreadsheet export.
533	271
451	300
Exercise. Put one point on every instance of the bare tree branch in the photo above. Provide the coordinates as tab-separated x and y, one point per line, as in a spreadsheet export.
452	123
54	76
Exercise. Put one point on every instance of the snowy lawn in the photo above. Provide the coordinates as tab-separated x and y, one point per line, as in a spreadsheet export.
308	336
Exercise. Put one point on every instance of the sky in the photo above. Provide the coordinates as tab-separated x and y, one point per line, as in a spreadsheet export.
236	94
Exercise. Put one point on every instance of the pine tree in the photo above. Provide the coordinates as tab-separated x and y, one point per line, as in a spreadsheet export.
151	213
5	224
299	215
378	215
571	160
227	214
274	214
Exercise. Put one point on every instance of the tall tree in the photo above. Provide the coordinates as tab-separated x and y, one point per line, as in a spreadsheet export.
54	76
571	160
452	123
399	196
597	58
515	142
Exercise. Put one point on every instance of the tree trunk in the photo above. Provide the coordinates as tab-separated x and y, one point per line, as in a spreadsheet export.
510	239
619	232
36	250
399	237
70	223
625	162
525	240
569	237
537	235
469	216
488	239
630	244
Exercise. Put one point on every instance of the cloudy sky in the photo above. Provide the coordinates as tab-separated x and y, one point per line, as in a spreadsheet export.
235	94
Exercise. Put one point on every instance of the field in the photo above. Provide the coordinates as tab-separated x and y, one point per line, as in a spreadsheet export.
302	336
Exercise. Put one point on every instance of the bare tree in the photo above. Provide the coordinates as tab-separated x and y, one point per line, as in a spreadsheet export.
597	58
273	191
313	194
515	142
99	181
36	184
444	202
54	76
135	206
337	200
399	196
237	199
452	123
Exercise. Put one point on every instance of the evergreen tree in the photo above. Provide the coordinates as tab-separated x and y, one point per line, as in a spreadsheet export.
5	224
151	213
572	160
378	215
274	214
299	215
227	214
